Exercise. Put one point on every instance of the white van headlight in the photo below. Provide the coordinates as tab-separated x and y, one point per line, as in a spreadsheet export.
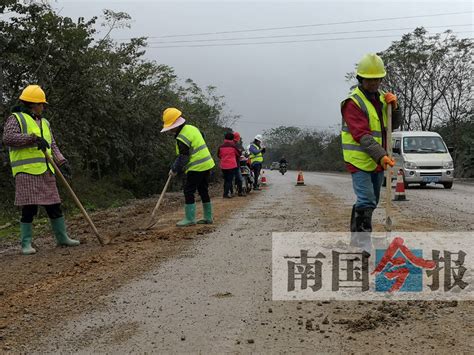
448	165
410	165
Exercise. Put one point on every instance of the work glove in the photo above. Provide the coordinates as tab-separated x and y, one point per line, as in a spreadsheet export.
263	150
385	161
172	173
66	171
41	143
176	168
391	99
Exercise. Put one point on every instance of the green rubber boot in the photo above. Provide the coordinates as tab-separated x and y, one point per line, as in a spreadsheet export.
59	230
26	234
207	212
189	216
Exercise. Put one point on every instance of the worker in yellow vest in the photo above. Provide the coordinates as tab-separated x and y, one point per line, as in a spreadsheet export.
256	150
193	159
27	134
363	136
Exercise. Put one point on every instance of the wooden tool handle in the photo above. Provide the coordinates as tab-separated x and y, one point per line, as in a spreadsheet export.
74	197
161	197
388	202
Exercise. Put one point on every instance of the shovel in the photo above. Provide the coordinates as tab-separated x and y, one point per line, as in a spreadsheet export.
153	219
388	198
74	197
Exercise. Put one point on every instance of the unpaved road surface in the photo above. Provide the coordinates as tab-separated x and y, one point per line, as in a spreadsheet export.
208	289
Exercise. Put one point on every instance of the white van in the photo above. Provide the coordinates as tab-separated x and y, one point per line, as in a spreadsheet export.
423	157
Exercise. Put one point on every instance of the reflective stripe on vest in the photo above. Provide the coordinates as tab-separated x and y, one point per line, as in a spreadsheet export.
256	158
200	158
352	151
30	159
375	134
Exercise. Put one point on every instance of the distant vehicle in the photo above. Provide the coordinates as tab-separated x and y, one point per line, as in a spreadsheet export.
423	157
275	166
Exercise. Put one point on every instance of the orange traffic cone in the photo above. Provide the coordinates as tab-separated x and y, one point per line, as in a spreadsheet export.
300	180
400	188
263	179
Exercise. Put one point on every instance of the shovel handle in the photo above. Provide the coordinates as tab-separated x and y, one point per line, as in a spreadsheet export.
388	202
74	197
152	217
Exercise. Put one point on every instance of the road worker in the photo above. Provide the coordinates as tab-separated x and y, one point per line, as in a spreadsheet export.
193	159
363	136
256	156
28	135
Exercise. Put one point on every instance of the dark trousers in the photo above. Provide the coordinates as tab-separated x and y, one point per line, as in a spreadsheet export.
229	176
28	212
197	180
256	172
239	181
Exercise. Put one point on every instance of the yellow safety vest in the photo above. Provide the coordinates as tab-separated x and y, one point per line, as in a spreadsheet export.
30	160
256	158
200	158
352	151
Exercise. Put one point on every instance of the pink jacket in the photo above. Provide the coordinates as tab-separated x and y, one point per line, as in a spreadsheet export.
228	155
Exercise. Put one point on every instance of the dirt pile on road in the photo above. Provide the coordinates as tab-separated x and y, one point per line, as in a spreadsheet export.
56	283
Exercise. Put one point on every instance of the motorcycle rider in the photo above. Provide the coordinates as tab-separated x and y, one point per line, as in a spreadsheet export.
283	164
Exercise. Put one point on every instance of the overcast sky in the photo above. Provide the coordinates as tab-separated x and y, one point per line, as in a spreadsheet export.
274	84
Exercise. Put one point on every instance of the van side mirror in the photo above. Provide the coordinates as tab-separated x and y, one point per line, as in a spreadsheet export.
451	149
396	150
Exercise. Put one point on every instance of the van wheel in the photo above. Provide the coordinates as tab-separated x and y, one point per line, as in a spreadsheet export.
405	184
422	184
448	185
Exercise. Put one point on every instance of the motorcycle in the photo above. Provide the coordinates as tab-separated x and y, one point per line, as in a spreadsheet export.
248	178
283	169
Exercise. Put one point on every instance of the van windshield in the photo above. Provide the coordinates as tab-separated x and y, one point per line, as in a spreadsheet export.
423	145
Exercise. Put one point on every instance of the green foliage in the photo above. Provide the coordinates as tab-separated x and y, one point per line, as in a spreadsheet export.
464	154
304	149
432	76
105	100
110	190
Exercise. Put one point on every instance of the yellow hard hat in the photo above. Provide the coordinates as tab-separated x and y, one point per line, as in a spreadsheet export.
171	119
33	93
371	67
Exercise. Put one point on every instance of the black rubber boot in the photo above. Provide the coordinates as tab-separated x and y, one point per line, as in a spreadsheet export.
353	228
353	222
363	228
363	218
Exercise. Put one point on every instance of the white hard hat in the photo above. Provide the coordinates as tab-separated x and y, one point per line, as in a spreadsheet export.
258	137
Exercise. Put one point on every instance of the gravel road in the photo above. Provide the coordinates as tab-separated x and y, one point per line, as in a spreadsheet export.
453	207
216	296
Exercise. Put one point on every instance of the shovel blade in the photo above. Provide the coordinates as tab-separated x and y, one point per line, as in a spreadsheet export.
388	224
149	225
